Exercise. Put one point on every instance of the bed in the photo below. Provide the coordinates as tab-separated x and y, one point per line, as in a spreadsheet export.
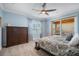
56	45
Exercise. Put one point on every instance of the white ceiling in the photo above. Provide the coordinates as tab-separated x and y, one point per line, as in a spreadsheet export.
26	8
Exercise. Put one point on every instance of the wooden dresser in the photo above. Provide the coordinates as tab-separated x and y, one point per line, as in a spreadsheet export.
16	35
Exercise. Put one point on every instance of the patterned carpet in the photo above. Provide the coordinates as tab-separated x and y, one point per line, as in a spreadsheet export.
26	49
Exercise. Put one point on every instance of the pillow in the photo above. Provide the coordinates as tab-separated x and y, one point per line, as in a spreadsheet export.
74	41
69	37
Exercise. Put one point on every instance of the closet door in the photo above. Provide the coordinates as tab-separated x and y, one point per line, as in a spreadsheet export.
16	35
11	36
22	35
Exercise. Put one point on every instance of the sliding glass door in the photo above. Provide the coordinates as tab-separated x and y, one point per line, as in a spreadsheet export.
62	26
55	27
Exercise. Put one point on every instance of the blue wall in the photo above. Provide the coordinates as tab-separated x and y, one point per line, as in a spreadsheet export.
11	19
1	13
48	26
14	19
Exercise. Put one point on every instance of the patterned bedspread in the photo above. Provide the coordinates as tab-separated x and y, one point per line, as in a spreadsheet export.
56	45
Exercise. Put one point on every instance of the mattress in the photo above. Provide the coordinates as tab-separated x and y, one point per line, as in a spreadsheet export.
56	45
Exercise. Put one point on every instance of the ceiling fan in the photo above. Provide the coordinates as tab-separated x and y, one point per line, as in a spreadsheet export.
44	10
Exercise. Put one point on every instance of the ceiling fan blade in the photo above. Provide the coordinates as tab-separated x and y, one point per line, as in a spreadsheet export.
51	10
44	4
36	10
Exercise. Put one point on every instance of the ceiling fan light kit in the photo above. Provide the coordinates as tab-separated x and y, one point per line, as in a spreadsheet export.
44	10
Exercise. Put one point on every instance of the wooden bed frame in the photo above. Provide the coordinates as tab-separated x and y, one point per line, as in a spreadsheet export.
37	47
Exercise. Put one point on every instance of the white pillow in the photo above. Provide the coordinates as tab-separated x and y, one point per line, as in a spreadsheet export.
74	41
